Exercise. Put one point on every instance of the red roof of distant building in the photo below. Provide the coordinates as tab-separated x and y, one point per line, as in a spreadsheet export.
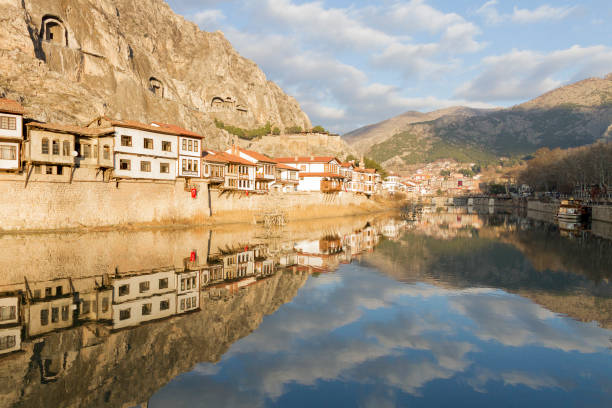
361	170
286	167
232	158
323	174
178	129
347	164
308	159
11	106
77	130
213	156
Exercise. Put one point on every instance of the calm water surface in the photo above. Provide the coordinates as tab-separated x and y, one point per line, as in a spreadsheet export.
450	309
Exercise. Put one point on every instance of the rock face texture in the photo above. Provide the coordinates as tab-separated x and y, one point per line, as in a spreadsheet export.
570	116
71	60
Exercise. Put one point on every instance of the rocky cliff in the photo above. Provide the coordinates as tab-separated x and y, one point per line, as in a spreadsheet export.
71	60
570	116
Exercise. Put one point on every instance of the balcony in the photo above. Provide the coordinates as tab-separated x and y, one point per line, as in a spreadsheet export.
330	186
264	176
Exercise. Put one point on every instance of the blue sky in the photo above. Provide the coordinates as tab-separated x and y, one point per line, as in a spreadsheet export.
352	63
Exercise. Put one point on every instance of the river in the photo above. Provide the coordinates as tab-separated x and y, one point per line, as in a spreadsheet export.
447	309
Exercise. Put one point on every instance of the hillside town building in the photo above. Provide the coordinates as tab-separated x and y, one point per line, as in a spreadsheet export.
316	173
11	134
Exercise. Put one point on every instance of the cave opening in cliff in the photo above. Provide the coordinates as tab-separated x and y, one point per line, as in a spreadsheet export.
156	87
53	31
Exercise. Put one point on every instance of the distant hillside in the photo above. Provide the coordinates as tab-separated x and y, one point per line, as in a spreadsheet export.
570	116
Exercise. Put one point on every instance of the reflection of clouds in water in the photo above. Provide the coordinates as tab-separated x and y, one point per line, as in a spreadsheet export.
365	328
513	378
515	321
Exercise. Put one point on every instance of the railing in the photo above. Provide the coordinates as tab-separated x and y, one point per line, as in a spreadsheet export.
329	186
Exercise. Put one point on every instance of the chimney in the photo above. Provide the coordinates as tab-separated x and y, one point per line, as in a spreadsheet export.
311	158
295	158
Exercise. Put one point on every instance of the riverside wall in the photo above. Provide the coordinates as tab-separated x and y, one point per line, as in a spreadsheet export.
602	213
78	205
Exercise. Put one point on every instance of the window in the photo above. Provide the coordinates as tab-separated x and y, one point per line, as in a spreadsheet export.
206	171
148	143
66	148
146	309
59	290
195	146
182	304
164	168
7	342
124	290
85	307
184	164
86	150
47	292
164	305
184	144
193	282
125	164
125	314
7	313
49	169
106	153
126	141
145	166
144	286
44	147
55	145
163	283
44	317
190	145
54	314
8	122
65	311
188	303
8	152
195	165
104	304
167	146
59	170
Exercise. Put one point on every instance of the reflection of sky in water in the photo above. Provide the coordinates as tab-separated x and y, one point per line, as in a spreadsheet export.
358	338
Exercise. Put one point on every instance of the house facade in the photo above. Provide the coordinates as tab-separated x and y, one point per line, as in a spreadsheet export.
189	150
287	178
213	167
142	151
316	173
265	172
11	134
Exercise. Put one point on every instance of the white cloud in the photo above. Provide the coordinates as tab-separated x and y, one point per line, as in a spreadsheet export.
542	13
209	19
523	74
523	16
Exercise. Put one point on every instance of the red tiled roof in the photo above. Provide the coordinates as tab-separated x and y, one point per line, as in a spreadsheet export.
216	157
309	159
257	156
324	174
176	128
360	170
232	158
11	106
286	167
78	130
132	124
348	164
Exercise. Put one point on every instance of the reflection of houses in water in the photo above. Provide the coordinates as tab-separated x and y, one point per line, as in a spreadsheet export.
10	328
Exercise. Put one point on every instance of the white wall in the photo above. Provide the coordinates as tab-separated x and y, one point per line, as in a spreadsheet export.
155	155
8	302
13	134
310	184
10	164
134	284
135	307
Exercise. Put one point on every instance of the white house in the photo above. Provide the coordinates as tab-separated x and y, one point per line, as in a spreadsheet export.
142	151
286	177
190	150
188	290
317	173
392	184
265	173
11	134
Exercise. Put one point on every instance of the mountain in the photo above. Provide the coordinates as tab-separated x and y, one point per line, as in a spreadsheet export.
72	60
572	115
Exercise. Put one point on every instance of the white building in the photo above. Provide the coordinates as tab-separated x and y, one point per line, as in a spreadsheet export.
11	134
188	289
287	178
392	184
317	173
265	172
190	150
142	151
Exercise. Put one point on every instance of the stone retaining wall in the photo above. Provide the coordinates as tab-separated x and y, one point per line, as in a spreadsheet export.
602	213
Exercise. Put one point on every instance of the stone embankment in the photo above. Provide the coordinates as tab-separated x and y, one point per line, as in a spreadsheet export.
95	205
598	212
